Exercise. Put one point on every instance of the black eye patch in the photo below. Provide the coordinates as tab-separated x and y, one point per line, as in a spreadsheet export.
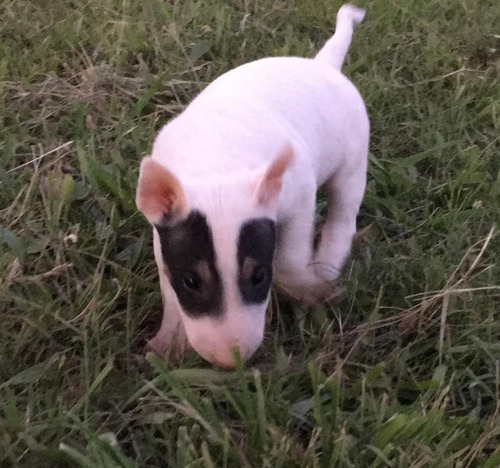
188	252
256	246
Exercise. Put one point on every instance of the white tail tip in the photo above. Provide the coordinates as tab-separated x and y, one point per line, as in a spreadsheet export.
335	50
350	14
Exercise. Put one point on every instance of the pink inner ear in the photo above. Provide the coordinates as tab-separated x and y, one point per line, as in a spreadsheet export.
269	186
159	193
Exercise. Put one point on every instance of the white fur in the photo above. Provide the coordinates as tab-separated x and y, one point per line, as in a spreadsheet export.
222	143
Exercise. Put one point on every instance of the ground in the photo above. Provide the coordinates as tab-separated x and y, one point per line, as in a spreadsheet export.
402	370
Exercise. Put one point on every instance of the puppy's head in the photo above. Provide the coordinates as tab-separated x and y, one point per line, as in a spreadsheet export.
217	241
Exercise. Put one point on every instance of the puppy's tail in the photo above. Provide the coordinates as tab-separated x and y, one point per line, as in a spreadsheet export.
335	50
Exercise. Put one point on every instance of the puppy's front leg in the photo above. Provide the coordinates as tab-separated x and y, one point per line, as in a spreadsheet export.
345	195
171	336
293	269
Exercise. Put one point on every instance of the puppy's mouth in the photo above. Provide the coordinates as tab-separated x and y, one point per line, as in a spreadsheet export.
223	365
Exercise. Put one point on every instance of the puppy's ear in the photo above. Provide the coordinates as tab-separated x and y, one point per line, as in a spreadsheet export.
159	194
269	185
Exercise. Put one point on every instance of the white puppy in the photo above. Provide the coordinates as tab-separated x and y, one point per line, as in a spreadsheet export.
234	177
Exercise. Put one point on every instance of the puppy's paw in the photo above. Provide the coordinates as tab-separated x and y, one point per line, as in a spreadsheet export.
318	293
174	344
326	271
308	288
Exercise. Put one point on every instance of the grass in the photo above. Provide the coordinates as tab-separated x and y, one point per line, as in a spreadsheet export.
403	371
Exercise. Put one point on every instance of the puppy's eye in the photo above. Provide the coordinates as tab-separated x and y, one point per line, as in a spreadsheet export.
191	281
260	276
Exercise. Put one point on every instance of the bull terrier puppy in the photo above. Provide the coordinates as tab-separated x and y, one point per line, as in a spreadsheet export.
230	189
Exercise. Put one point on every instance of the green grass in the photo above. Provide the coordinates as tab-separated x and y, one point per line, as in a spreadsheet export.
403	371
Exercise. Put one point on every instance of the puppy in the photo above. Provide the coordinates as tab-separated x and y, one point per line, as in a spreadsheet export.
230	189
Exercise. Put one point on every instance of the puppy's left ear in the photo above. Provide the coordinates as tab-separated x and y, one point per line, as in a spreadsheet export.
269	185
159	194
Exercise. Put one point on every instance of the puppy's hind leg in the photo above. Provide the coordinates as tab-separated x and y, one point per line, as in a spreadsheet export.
345	195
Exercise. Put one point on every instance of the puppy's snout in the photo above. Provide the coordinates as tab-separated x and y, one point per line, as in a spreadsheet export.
226	359
217	341
223	352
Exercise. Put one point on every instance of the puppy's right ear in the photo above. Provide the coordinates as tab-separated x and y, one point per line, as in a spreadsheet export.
269	184
159	194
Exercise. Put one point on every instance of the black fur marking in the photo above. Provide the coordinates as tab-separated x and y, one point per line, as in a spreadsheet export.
256	246
188	251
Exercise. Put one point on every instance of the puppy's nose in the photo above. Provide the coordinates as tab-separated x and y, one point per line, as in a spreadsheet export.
226	365
225	358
